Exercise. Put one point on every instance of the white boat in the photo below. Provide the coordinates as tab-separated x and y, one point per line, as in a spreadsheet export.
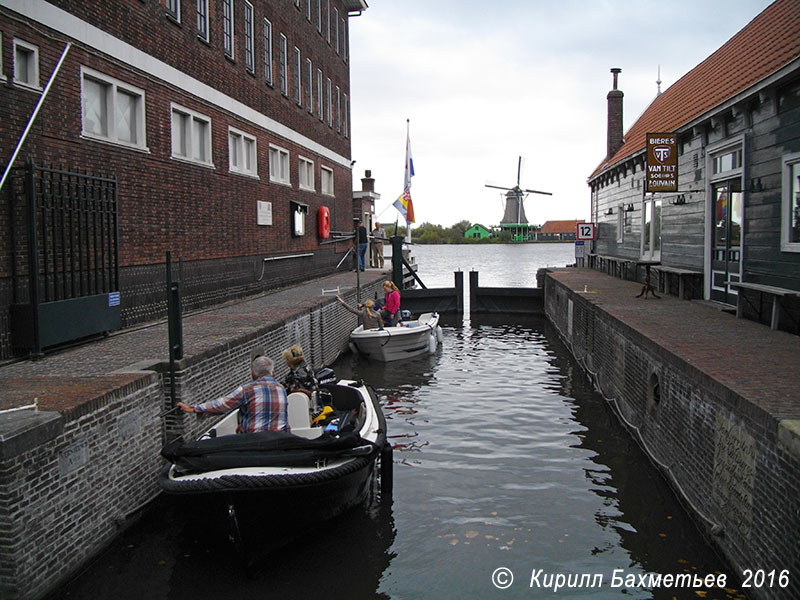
297	479
407	339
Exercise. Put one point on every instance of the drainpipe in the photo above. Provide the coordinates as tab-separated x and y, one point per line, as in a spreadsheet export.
35	113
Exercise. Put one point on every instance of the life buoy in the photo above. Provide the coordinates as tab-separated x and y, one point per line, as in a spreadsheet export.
324	222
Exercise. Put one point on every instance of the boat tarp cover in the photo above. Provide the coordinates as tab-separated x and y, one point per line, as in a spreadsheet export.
264	448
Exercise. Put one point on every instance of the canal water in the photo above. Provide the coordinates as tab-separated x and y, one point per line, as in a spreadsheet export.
510	473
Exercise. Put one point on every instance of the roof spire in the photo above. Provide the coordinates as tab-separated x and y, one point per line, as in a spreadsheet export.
658	81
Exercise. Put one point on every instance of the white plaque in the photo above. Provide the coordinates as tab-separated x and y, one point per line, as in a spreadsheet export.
264	213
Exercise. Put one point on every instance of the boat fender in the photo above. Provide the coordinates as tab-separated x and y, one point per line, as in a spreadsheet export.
439	334
432	343
324	222
352	347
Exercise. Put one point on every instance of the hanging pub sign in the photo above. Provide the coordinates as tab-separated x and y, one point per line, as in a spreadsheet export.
662	163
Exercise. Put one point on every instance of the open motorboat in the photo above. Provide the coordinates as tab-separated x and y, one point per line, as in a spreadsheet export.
280	484
407	339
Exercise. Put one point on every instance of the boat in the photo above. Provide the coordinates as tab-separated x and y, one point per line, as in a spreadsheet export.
272	486
406	339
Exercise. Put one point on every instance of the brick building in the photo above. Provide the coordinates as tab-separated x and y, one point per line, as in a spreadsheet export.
559	230
732	228
218	130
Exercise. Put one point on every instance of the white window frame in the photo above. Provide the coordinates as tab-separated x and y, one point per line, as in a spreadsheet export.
328	20
173	8
336	25
2	73
346	112
620	223
31	75
330	103
279	167
202	20
338	109
788	161
249	38
326	181
298	80
283	67
319	17
310	86
228	39
242	148
305	172
268	51
114	87
320	94
308	10
344	40
190	118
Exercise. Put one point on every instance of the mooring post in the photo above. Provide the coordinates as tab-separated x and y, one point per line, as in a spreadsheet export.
397	261
458	276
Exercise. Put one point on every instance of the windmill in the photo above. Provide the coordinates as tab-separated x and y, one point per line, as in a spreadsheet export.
514	215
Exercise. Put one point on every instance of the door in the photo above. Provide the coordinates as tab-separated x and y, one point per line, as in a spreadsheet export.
726	250
651	229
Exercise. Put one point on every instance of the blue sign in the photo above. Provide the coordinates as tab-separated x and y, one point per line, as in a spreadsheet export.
113	299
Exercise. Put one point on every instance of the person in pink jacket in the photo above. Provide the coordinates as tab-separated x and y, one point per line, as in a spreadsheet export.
391	304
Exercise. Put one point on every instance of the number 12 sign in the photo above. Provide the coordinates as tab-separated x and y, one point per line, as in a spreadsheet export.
585	231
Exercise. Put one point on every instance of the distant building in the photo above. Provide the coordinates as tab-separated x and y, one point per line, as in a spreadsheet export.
559	230
219	131
735	218
478	232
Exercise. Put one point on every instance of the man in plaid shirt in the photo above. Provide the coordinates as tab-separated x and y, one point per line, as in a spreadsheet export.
262	402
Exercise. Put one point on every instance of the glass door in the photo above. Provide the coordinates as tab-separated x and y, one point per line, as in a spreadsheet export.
651	229
726	251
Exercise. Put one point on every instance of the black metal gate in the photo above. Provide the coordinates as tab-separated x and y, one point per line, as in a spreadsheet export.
67	284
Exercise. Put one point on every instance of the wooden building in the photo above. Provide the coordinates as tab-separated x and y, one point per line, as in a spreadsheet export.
733	225
559	230
218	130
477	232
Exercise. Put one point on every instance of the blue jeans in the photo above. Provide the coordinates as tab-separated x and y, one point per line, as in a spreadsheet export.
362	251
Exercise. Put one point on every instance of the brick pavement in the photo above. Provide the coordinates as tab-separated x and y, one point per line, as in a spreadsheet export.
64	379
752	360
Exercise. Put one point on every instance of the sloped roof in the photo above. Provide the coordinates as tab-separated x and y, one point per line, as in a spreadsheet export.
561	226
762	47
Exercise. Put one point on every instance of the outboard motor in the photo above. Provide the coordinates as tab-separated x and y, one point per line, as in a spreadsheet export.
325	375
405	315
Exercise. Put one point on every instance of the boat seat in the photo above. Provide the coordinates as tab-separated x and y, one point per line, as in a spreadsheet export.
299	420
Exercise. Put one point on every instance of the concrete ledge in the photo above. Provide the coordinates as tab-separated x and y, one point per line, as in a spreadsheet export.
26	429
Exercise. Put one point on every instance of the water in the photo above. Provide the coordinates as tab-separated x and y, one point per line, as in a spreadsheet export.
504	458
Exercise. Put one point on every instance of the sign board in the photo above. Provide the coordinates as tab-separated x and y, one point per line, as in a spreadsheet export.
580	249
264	213
662	163
585	231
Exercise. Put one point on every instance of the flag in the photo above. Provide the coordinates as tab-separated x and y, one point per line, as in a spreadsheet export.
403	203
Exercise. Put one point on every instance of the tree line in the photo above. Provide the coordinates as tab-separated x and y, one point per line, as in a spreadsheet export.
428	233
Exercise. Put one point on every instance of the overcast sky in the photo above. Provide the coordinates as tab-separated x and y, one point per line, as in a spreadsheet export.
486	82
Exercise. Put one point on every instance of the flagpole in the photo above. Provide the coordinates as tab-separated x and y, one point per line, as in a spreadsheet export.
408	137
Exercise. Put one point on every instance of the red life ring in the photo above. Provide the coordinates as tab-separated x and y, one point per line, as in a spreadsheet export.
324	222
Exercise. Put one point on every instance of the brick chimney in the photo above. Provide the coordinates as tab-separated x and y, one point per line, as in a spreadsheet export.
614	137
367	182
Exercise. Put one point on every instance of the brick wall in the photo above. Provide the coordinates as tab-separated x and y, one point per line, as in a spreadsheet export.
735	466
200	213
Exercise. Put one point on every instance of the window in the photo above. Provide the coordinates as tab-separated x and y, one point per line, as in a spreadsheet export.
336	26
309	86
191	135
242	153
174	9
328	20
320	105
345	113
249	38
279	165
113	111
202	19
268	51
326	177
338	109
330	104
298	92
319	16
283	66
26	64
306	174
227	27
727	161
2	75
620	223
344	39
308	10
790	213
